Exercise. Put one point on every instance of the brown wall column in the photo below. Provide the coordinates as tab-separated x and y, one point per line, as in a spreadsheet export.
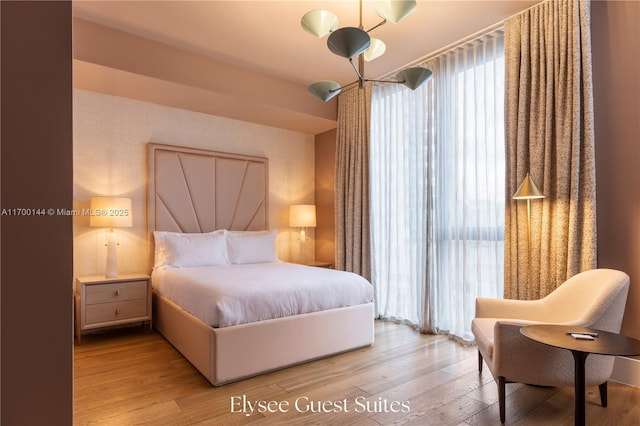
615	36
36	175
325	157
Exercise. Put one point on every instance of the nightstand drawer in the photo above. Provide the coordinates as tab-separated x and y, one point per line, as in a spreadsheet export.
113	292
106	312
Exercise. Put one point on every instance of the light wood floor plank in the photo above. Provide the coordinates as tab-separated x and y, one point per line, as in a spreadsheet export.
129	377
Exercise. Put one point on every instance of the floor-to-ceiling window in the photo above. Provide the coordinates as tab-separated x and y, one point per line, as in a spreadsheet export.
437	190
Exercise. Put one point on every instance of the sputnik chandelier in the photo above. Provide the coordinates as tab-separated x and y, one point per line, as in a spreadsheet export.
350	42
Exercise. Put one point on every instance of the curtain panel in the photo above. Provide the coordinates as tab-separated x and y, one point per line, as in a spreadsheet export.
437	190
549	130
353	242
401	157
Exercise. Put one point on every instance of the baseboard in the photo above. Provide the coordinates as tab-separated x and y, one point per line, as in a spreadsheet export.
626	371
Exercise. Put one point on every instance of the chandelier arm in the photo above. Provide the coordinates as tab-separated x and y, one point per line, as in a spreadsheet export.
384	81
360	77
348	85
384	21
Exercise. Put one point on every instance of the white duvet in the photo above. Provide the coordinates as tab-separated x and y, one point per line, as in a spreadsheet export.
223	296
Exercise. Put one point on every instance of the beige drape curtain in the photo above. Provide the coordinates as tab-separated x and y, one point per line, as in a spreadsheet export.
353	246
549	130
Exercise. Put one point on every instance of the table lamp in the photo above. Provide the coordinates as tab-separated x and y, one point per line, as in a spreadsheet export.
303	216
110	213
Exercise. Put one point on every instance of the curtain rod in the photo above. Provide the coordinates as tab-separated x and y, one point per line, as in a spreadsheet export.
498	26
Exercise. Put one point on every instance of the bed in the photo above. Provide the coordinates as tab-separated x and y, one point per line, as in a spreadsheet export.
193	191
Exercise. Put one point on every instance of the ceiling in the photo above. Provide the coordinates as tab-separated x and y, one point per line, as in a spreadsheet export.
266	36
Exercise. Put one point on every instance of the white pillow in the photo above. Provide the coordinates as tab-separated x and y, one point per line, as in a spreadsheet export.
251	246
190	250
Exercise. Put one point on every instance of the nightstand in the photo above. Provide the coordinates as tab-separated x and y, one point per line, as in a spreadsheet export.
320	264
105	302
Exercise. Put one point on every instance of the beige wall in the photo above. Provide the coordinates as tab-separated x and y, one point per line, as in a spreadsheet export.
118	63
615	28
36	274
109	152
325	164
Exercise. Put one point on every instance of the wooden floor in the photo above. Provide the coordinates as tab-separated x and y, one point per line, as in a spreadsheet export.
131	377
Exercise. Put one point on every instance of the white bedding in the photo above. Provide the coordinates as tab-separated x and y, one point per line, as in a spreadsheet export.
229	295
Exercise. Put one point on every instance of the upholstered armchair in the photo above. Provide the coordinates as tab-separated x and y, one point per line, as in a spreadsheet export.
594	299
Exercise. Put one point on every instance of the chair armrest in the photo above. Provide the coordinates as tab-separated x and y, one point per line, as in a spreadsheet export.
532	310
524	360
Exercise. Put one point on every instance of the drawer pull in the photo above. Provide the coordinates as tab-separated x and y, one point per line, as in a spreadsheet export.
118	292
117	312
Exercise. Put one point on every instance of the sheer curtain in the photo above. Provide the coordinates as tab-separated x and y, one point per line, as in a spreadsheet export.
399	157
437	190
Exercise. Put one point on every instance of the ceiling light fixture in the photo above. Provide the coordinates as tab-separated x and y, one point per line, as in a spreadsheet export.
350	42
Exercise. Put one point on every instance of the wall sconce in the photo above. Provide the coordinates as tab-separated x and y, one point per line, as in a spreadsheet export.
303	216
110	213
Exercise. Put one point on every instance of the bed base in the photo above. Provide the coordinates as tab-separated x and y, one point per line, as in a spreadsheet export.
224	355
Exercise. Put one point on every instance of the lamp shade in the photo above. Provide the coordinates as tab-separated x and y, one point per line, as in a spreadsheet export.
395	10
319	22
375	50
324	90
348	42
111	212
414	77
527	190
303	215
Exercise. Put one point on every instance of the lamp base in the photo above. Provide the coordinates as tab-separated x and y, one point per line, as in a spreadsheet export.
302	256
112	255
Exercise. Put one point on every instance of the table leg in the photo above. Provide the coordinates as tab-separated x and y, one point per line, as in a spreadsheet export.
580	359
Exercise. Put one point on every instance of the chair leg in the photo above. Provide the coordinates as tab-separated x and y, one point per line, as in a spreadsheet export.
479	362
603	393
501	397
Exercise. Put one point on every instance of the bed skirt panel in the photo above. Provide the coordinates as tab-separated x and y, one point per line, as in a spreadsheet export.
250	349
228	354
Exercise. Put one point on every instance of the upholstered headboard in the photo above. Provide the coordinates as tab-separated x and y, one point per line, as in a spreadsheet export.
195	190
